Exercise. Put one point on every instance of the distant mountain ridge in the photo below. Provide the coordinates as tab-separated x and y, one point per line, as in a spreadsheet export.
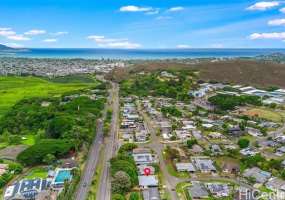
4	48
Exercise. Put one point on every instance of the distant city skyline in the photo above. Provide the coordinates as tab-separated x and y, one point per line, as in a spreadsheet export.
142	24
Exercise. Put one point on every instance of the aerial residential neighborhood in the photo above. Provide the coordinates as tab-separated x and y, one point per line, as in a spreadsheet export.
142	100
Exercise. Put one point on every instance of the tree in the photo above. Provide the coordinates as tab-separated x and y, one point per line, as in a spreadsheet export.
15	140
125	166
121	183
243	143
35	154
233	152
272	105
106	129
6	136
134	196
60	125
118	197
173	153
49	159
190	143
173	138
18	169
125	148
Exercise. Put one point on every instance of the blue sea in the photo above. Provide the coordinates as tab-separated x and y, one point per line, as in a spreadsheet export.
128	54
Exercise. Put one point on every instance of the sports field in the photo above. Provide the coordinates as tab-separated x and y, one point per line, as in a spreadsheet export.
13	89
265	113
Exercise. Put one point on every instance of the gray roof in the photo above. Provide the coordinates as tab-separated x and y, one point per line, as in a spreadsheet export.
198	190
151	194
205	165
28	188
148	181
185	166
256	173
143	157
219	188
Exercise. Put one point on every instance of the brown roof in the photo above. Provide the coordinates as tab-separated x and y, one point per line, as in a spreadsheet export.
230	166
141	150
3	166
196	148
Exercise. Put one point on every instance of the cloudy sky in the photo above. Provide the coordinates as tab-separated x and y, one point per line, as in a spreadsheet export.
142	24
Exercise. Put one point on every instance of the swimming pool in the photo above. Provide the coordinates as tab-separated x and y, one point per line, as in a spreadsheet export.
62	175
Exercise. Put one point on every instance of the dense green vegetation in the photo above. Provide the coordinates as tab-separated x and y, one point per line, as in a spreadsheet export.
243	143
229	102
155	85
71	79
191	142
172	111
123	170
14	89
73	121
39	151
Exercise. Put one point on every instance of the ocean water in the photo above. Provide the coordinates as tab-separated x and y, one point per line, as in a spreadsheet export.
128	54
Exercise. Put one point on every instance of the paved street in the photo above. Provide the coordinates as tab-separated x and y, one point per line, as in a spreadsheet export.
93	158
171	181
104	191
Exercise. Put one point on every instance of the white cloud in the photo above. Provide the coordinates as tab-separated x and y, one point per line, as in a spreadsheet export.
35	32
18	37
126	45
276	22
7	33
217	46
282	10
59	33
163	17
50	40
283	40
5	29
134	9
176	9
183	46
101	38
14	45
264	5
152	13
266	36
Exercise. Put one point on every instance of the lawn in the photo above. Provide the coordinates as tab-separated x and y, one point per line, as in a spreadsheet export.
265	189
38	172
29	140
178	190
173	172
224	159
266	113
13	89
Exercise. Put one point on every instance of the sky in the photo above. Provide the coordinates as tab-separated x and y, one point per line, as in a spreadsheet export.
148	24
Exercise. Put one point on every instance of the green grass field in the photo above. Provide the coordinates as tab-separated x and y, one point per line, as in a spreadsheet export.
29	141
38	172
266	113
71	79
13	89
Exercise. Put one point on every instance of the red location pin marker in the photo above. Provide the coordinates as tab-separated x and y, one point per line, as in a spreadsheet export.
147	171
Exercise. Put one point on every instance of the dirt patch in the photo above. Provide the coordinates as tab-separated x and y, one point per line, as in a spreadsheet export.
252	113
12	152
